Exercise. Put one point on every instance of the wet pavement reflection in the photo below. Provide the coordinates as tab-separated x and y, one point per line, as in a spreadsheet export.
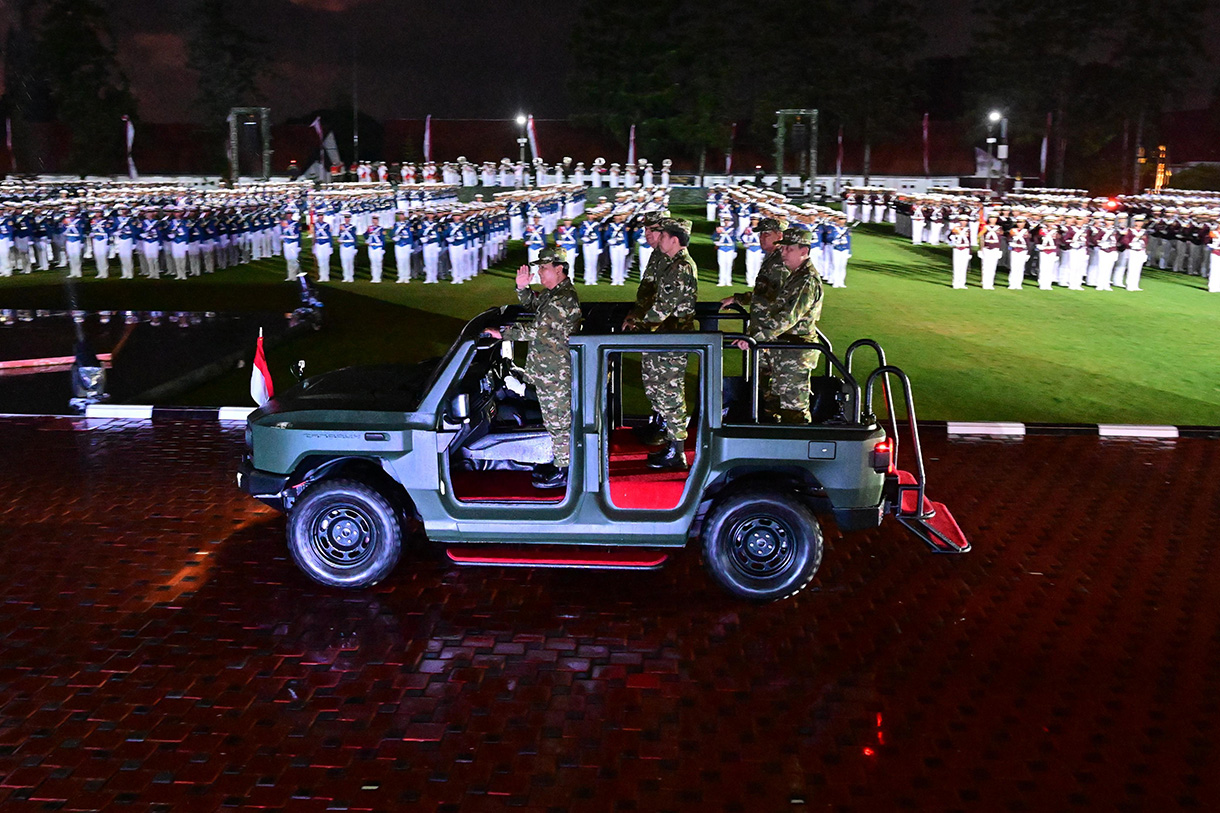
161	651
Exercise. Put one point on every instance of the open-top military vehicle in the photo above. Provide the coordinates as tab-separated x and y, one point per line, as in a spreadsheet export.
357	455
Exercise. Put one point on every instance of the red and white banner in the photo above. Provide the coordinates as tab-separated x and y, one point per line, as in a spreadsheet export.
631	146
533	135
131	137
1046	140
839	159
925	146
428	138
728	156
260	377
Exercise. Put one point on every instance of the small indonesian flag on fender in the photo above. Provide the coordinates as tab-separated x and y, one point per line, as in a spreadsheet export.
260	377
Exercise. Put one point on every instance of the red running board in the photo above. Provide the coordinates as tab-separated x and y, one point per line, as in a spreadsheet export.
556	556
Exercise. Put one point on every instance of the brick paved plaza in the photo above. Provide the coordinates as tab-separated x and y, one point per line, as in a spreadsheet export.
160	651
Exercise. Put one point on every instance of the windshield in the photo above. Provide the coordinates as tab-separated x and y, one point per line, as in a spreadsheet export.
492	317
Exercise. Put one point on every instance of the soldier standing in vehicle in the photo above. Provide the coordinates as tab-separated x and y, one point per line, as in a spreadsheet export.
549	363
771	277
665	303
792	317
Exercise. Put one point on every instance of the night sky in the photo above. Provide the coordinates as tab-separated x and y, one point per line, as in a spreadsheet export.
417	57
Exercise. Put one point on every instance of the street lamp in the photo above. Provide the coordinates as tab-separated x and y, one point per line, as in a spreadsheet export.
521	140
994	117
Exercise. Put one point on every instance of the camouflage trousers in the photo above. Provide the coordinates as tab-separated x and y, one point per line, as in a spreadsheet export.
555	401
664	376
790	371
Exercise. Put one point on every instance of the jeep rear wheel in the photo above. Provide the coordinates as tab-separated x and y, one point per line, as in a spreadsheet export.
344	533
762	545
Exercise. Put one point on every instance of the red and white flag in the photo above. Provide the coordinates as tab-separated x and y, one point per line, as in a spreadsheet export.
728	156
533	135
131	137
839	159
925	146
260	377
428	138
8	141
1046	139
631	146
317	128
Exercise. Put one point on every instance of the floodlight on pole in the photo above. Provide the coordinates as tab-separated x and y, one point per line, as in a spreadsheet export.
994	116
522	119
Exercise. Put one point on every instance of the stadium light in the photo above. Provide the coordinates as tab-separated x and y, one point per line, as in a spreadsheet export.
994	116
521	119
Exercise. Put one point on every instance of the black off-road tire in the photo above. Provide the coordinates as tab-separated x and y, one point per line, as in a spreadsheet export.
762	545
344	533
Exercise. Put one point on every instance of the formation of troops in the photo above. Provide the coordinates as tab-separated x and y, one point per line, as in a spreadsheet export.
739	210
514	174
1066	238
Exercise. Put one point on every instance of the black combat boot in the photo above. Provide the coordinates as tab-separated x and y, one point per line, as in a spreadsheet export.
653	433
548	475
672	456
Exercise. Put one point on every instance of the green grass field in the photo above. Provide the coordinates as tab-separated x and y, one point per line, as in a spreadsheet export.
1029	355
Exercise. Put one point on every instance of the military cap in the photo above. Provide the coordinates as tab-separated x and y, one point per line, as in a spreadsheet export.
772	224
552	254
676	227
652	219
796	237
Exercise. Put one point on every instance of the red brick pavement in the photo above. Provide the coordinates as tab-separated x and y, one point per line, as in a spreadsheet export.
160	651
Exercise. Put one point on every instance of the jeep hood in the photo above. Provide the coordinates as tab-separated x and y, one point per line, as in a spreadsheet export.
380	388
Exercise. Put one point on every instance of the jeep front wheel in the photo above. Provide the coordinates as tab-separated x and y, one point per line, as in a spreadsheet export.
344	533
762	545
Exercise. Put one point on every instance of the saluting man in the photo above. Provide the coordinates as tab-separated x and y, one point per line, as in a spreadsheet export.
548	366
74	243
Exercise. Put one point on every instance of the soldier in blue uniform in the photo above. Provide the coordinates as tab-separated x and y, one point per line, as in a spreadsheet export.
430	240
290	243
347	248
591	245
374	243
322	246
100	235
402	239
125	233
74	242
150	246
726	254
616	244
179	235
6	241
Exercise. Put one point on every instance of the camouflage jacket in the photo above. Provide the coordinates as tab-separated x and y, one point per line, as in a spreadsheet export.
793	315
556	316
673	304
647	292
771	276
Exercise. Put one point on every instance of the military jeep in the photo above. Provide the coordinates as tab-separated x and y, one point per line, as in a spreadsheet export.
358	456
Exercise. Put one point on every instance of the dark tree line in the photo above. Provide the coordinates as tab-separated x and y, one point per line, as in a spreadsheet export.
682	71
61	64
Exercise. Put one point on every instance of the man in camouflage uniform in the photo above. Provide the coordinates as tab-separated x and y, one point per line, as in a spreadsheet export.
549	363
792	317
665	303
771	277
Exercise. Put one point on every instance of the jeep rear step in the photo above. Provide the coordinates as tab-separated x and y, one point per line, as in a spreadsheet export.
557	556
904	492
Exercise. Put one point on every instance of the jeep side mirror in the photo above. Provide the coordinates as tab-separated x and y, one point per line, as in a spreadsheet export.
459	407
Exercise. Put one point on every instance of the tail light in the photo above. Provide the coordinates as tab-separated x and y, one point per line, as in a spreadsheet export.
882	457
